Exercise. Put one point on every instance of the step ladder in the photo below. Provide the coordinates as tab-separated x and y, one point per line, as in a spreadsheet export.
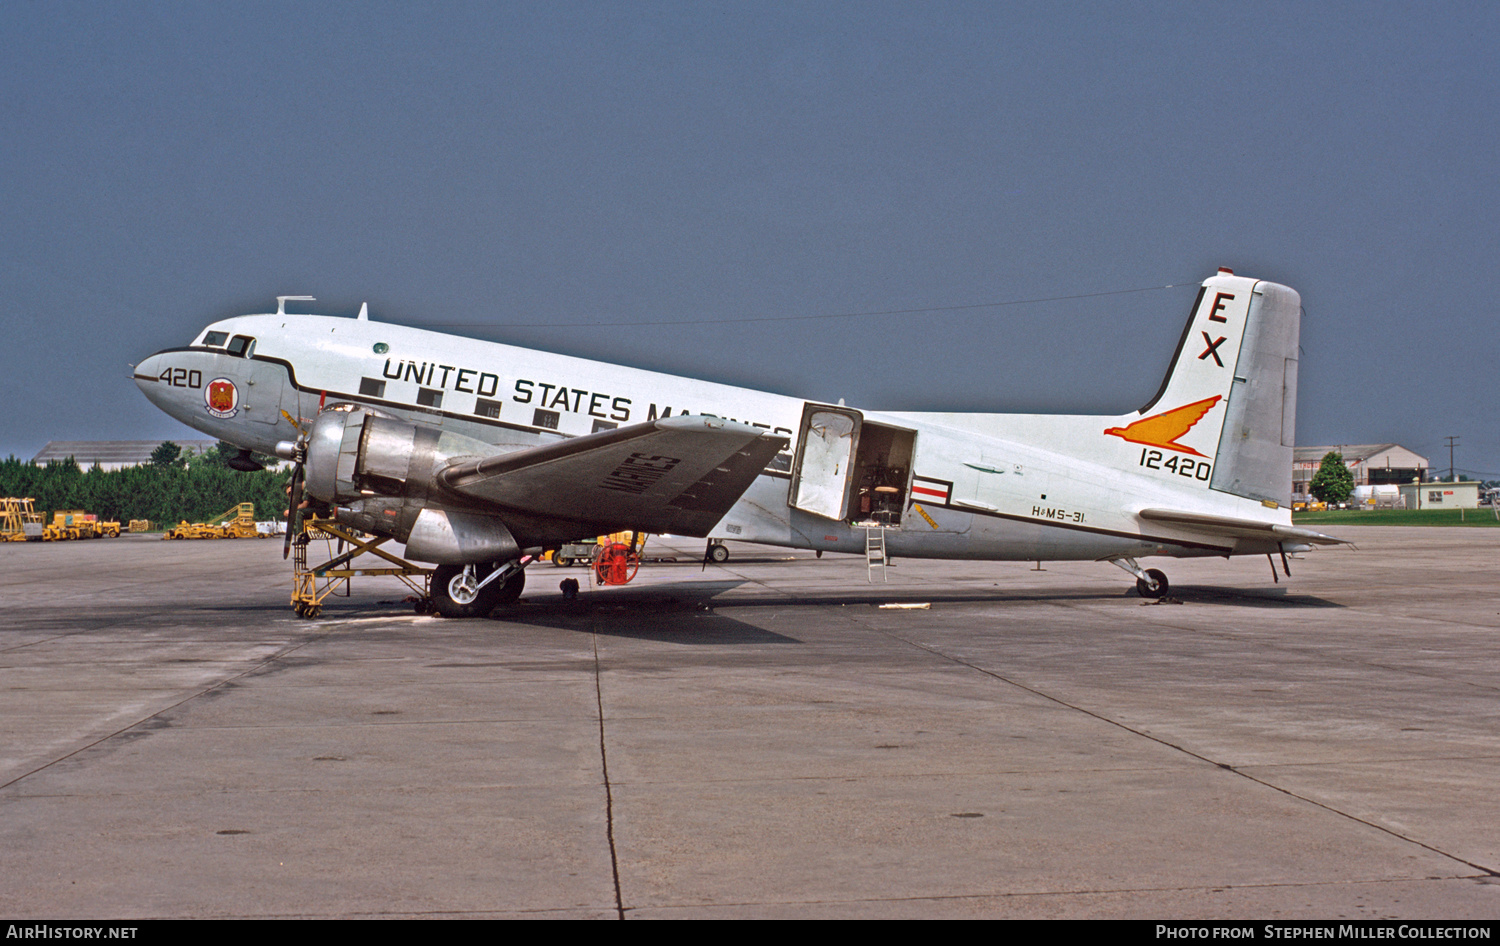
875	554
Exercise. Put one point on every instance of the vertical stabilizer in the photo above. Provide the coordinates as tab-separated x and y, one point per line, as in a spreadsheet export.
1230	395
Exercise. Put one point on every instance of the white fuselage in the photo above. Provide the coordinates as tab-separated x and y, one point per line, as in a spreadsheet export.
970	486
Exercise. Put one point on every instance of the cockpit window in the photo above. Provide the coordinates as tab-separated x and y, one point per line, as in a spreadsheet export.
242	346
215	339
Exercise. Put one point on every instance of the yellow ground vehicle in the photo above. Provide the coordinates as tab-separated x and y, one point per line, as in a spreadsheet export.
70	524
236	522
19	520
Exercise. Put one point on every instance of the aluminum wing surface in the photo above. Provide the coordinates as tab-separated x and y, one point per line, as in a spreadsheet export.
678	475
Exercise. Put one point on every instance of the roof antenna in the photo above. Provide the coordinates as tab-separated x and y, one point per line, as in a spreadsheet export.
364	312
281	302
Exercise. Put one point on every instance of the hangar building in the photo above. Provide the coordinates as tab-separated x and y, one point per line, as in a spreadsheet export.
1373	464
112	454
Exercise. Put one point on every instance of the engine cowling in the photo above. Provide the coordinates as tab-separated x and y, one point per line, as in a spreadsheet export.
358	453
380	474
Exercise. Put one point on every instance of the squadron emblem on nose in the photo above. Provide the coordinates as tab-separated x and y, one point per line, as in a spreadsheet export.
221	398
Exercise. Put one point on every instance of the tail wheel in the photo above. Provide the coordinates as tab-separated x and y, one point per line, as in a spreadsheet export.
1145	587
456	595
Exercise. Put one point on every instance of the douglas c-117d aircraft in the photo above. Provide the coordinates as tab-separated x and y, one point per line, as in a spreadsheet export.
479	456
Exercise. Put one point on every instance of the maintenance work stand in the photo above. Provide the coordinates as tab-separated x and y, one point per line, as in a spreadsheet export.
312	585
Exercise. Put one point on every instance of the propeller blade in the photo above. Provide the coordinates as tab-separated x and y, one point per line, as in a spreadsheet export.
293	422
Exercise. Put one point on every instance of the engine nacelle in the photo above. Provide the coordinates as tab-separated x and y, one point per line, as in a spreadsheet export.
449	537
356	454
380	474
432	533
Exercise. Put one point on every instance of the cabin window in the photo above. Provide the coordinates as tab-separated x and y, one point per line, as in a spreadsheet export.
371	387
429	397
242	346
485	407
215	339
604	425
547	419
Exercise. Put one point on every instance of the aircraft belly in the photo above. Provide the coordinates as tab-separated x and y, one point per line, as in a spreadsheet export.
760	515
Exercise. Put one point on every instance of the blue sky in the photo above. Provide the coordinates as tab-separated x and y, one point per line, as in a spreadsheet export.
556	174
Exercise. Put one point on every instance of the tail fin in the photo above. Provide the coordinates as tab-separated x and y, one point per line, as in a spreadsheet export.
1232	385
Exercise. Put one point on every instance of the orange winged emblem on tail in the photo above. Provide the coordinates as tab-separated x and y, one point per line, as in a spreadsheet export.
1162	430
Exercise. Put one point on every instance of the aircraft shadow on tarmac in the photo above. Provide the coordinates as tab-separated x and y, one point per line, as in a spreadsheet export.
696	612
682	605
677	614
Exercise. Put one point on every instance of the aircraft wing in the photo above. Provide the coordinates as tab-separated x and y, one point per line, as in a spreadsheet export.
1232	527
678	475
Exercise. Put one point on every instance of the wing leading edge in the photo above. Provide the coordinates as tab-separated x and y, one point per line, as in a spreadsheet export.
678	475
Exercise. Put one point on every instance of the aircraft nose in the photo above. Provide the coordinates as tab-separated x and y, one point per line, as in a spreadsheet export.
147	370
147	377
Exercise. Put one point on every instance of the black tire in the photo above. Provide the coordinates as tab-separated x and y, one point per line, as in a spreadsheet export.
562	561
491	595
510	588
718	554
1145	588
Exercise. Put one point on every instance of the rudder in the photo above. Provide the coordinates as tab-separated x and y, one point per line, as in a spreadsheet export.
1254	457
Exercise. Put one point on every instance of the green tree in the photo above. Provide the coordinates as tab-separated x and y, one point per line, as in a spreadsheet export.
166	454
1333	482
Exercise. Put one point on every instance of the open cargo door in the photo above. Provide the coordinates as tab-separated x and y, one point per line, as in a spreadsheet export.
825	460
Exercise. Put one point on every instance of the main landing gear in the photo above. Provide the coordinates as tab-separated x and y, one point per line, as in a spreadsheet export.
472	591
1150	582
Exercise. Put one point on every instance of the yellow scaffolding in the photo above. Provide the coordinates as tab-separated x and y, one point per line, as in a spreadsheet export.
19	520
311	586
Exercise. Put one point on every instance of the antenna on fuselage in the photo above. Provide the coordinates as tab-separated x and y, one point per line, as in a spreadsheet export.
281	302
364	312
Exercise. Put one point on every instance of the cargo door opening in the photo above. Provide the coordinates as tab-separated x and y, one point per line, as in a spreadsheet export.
850	469
882	474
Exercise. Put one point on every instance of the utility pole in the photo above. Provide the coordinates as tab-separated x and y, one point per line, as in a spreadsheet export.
1452	442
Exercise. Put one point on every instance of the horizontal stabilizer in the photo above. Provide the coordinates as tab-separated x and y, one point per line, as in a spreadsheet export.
1232	527
678	475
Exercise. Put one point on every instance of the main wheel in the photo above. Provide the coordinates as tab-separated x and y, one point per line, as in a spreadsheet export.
456	596
510	588
718	554
1145	588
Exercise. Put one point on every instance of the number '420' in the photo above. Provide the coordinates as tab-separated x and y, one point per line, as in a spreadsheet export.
1182	466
